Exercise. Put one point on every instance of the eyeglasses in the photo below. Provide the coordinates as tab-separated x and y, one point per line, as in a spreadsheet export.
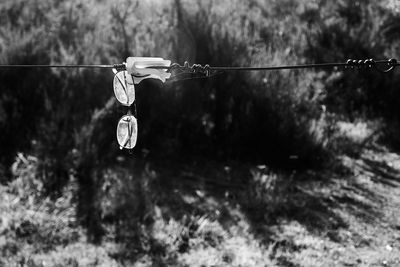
124	90
136	70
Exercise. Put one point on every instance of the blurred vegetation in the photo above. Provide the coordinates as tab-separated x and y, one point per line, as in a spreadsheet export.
66	119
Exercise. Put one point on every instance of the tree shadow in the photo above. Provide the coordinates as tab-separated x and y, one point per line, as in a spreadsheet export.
293	200
382	172
191	186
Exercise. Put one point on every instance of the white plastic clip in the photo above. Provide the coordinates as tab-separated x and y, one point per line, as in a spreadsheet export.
140	68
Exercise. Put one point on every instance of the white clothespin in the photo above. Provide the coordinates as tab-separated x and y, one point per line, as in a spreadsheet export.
140	68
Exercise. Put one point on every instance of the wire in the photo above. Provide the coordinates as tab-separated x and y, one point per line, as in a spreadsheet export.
59	66
279	67
206	69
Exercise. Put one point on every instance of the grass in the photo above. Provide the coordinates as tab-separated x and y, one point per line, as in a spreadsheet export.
204	213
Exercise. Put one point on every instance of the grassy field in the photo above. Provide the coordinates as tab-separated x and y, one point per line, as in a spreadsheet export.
200	213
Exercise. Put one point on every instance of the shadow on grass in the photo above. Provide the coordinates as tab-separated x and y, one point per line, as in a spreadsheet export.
181	188
382	172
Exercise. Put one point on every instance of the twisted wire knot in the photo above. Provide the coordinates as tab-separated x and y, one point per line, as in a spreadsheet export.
392	62
195	68
370	63
119	67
